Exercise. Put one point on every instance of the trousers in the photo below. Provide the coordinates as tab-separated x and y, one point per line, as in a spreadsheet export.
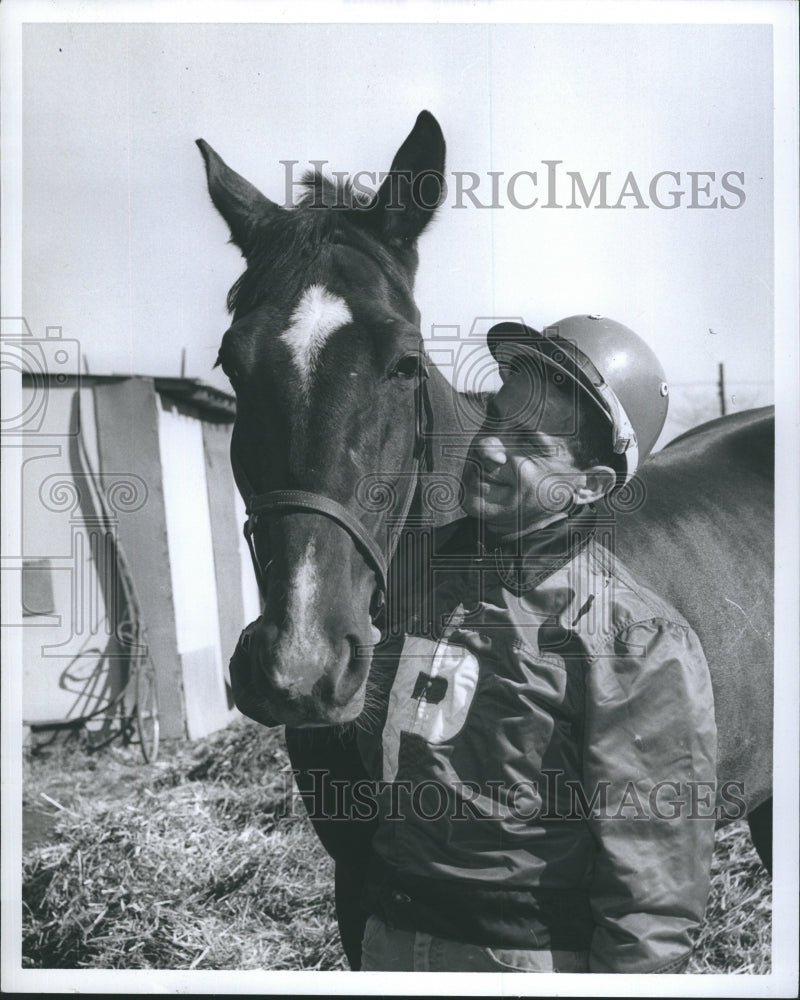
386	949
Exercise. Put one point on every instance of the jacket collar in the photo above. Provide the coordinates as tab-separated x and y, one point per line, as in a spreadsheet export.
523	562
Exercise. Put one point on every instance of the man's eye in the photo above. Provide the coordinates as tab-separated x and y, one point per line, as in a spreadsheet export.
531	444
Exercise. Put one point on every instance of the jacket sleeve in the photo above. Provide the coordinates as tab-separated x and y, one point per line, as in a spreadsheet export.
650	751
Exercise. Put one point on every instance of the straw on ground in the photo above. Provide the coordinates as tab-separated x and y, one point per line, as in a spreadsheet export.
196	862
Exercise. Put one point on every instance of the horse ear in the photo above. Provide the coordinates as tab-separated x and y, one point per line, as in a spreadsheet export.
240	204
415	185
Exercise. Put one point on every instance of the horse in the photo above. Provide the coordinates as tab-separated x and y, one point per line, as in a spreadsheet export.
337	400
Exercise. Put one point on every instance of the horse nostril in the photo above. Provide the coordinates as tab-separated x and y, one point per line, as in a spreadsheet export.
353	671
378	603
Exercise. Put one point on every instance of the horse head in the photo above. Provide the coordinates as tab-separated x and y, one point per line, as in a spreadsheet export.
326	359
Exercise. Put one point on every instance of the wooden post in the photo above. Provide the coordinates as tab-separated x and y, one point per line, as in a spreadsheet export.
721	385
127	424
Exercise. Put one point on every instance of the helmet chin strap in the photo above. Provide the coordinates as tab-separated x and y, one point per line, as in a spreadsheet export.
624	435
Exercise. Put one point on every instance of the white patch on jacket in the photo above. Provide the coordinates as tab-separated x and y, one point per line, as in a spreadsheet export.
317	315
435	722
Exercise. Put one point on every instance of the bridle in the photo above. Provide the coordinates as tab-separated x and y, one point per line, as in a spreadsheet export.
276	502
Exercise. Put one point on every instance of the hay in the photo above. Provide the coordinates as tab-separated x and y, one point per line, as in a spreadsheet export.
736	936
184	873
201	861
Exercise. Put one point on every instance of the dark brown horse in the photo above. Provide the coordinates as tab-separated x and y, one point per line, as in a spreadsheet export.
339	417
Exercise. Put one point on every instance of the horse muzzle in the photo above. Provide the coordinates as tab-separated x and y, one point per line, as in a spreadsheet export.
278	680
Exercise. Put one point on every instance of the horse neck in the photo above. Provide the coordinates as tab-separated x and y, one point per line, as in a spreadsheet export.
456	417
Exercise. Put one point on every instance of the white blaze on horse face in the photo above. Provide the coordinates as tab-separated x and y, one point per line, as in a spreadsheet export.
317	315
301	610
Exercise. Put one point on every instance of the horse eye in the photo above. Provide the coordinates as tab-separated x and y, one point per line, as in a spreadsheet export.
229	371
408	366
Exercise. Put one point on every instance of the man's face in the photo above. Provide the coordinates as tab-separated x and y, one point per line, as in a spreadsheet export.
519	472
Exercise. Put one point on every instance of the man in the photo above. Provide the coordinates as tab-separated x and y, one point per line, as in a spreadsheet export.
537	739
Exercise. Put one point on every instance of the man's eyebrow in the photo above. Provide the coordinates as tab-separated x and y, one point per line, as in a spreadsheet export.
537	439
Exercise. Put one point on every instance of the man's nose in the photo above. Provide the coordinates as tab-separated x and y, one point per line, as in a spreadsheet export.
490	452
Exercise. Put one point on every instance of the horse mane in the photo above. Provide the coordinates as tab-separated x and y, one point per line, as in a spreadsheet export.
321	190
291	240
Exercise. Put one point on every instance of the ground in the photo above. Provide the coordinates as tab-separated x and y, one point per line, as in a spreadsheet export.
205	860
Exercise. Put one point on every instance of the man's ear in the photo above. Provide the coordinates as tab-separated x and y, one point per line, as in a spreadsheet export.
594	483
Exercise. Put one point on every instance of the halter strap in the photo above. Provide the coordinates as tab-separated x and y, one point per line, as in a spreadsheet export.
318	503
304	501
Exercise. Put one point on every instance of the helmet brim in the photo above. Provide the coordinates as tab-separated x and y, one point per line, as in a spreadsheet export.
511	341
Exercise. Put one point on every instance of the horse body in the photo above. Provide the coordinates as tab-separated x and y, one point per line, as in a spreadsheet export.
325	358
702	537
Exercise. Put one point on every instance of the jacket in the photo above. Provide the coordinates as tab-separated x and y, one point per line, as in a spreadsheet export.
544	756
